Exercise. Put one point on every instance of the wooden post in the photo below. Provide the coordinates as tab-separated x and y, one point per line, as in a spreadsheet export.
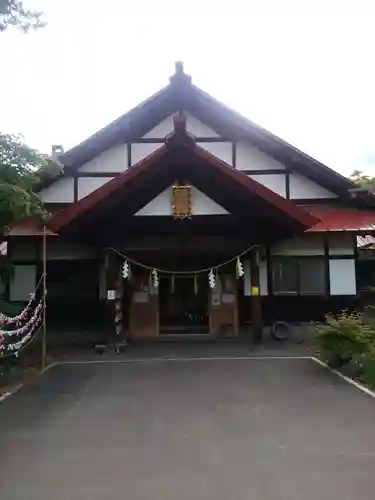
111	274
44	336
256	304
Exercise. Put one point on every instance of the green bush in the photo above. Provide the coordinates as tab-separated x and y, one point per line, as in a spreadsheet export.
368	363
343	337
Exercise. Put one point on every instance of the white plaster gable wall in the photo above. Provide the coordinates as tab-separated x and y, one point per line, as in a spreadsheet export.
197	128
222	150
87	185
250	158
61	191
141	150
112	160
274	182
303	188
193	126
203	205
200	204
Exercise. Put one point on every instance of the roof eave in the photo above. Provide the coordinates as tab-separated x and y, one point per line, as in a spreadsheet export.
300	217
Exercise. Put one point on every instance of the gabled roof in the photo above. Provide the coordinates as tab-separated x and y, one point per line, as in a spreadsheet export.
178	150
182	94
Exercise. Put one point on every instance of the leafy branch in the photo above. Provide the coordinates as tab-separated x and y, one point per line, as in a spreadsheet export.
14	14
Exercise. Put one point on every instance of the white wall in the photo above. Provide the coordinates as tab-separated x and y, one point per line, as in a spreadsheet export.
246	278
161	129
200	204
274	182
113	160
193	126
61	191
222	150
23	282
263	278
303	188
342	277
308	244
87	185
250	158
141	150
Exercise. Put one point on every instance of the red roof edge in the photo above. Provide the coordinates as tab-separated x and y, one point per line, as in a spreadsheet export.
304	218
63	218
342	219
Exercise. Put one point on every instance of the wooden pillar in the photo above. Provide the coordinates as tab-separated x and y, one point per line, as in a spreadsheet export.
111	276
256	304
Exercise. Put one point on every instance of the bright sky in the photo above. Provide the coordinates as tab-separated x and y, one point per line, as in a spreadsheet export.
304	69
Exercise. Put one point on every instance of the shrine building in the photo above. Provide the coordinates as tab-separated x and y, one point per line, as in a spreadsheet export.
183	217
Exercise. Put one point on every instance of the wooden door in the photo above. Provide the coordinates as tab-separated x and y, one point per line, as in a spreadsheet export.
224	307
144	309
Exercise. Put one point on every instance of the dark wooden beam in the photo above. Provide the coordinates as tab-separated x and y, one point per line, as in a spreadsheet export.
326	264
111	274
287	185
272	171
256	304
161	140
234	154
129	154
75	187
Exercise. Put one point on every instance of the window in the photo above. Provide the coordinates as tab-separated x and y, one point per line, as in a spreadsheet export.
298	276
312	277
285	276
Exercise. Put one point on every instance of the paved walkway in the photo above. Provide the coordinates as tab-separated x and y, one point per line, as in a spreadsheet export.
167	350
262	429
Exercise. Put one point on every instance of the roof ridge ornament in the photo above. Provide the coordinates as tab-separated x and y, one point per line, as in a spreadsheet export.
180	136
180	77
179	121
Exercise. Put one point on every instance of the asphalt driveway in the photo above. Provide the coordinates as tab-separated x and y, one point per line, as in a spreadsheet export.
260	429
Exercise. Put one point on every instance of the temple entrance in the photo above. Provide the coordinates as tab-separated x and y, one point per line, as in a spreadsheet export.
184	304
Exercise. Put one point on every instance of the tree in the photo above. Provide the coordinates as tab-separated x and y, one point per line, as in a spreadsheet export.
14	14
362	179
21	170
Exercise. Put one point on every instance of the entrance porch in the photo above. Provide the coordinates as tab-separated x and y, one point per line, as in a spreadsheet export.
185	222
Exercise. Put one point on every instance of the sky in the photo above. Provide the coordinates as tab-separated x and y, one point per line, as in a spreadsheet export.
303	69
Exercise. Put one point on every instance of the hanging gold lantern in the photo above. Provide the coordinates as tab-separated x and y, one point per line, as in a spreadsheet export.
181	202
